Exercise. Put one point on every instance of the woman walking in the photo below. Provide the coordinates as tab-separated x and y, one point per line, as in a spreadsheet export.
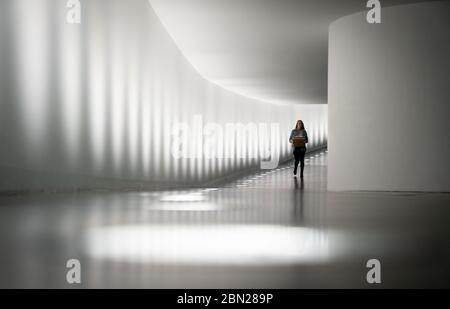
299	139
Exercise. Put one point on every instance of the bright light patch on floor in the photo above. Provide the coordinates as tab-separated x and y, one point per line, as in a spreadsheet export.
193	197
208	245
210	189
184	206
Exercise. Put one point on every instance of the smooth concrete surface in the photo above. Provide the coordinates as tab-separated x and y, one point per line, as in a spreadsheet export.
101	103
389	100
266	230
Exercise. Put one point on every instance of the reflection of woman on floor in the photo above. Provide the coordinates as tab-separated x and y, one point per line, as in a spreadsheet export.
299	139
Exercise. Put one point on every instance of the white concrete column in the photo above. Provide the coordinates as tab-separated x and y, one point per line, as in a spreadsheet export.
389	100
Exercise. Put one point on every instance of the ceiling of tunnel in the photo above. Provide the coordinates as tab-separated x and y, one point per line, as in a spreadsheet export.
272	50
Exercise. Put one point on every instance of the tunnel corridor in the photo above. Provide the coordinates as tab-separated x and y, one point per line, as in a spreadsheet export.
149	144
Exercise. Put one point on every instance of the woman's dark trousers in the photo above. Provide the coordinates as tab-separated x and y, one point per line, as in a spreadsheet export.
299	155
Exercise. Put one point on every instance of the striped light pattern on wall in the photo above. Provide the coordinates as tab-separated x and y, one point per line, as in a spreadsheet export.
95	104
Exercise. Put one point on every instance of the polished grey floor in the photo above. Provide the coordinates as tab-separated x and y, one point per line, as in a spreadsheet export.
268	230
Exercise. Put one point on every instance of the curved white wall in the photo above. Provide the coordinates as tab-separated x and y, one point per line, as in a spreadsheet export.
389	100
95	105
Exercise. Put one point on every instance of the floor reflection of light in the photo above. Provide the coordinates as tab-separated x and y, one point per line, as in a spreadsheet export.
183	206
251	245
210	189
192	197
